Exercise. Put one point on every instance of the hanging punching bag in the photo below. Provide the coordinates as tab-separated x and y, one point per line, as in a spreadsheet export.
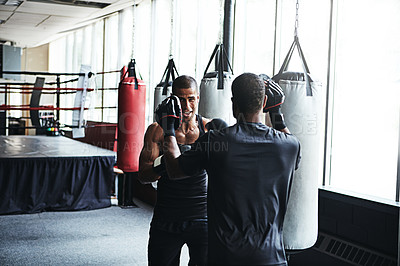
131	119
164	88
303	110
215	89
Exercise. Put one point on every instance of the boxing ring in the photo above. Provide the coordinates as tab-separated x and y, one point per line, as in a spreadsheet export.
52	173
44	173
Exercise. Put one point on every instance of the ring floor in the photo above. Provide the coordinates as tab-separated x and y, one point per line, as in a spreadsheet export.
109	236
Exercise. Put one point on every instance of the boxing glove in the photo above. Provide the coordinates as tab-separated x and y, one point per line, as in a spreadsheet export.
168	115
275	99
216	124
275	95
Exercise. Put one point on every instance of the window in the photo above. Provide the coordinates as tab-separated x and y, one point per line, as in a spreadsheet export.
361	72
365	122
96	53
144	48
197	34
110	98
254	37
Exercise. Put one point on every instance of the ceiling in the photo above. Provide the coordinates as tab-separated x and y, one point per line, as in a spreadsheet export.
29	23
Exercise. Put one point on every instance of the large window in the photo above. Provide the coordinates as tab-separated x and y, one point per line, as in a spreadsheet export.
365	124
254	37
197	34
110	63
96	62
351	47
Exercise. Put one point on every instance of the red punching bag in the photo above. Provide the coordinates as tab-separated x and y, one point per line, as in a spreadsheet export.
131	119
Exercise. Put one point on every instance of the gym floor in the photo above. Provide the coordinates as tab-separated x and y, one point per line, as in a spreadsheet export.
109	236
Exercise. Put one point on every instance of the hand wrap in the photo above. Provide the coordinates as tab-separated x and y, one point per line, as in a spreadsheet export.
159	165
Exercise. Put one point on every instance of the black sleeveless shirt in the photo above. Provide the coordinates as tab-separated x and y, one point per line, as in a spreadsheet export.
182	200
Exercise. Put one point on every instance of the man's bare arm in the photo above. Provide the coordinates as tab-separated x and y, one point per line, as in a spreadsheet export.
150	151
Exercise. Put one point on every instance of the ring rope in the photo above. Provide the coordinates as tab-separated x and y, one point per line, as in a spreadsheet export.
43	88
48	108
22	88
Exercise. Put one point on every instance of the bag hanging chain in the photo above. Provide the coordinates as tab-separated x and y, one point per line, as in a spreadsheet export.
133	28
172	28
221	22
296	23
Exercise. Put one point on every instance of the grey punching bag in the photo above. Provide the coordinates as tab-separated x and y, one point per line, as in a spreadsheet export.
215	89
164	88
303	110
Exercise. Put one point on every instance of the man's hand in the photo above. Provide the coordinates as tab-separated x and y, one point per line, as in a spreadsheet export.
169	115
275	99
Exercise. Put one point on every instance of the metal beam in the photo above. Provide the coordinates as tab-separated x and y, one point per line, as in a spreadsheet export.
228	30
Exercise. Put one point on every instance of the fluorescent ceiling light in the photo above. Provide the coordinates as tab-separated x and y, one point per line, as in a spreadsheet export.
10	2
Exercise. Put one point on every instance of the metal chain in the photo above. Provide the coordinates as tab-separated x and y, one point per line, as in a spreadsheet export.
172	28
296	23
221	22
133	29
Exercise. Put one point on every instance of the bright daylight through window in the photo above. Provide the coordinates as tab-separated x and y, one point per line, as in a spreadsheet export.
366	98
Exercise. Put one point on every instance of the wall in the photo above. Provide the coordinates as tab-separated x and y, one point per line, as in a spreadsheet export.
368	223
34	59
364	232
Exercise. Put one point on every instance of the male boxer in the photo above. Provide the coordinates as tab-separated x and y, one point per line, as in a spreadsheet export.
180	214
250	168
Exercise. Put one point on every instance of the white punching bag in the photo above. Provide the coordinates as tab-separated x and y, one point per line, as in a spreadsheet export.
215	89
303	111
215	102
164	88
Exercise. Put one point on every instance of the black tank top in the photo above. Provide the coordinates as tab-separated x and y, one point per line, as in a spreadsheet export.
182	200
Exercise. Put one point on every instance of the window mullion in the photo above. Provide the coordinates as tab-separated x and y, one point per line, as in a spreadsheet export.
329	95
398	167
